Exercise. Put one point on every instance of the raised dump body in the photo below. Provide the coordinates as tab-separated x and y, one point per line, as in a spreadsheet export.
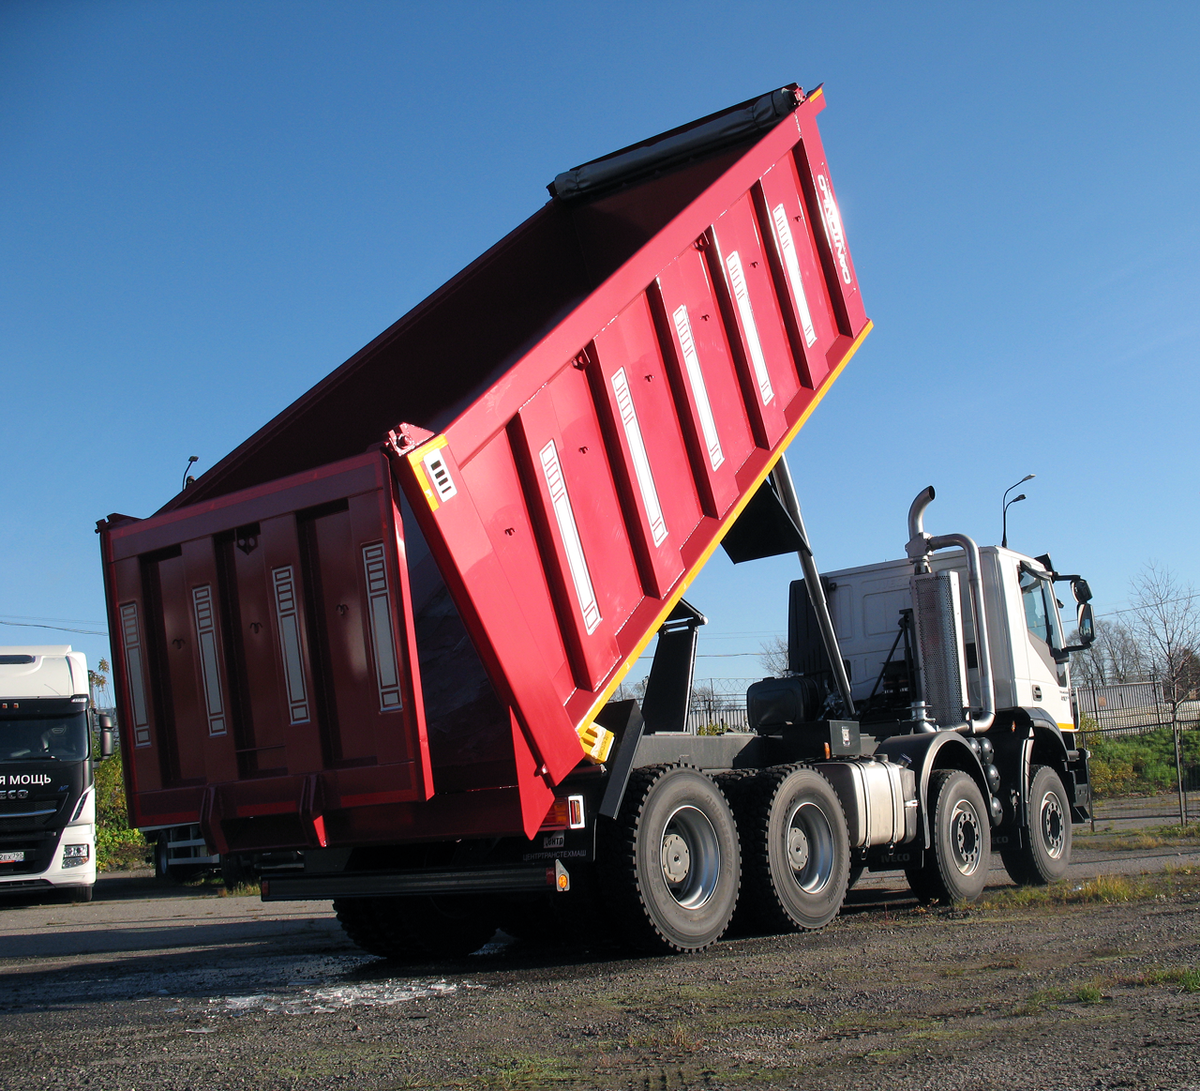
394	613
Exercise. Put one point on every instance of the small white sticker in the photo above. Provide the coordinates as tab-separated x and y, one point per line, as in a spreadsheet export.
783	231
439	475
742	295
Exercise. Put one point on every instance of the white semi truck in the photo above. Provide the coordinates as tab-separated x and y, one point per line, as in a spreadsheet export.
47	792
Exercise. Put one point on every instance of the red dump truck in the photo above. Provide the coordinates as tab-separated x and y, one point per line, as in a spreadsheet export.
381	639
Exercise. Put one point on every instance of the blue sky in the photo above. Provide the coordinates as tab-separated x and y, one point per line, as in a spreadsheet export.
206	207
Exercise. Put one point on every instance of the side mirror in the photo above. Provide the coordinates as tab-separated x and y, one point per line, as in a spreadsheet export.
104	721
1087	629
1082	593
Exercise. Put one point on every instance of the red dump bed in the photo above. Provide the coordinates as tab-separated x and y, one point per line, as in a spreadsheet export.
314	645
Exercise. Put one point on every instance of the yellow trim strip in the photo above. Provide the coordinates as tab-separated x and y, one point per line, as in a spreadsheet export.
730	519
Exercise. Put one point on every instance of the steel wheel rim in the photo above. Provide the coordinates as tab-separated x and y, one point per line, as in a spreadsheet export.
966	842
690	857
1054	828
809	847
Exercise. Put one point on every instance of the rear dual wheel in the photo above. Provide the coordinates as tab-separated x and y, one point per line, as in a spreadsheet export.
415	928
795	849
669	864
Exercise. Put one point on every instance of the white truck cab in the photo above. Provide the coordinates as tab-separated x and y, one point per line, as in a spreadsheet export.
47	793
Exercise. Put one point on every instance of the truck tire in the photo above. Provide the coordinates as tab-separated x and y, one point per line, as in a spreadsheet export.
795	850
669	863
236	871
962	841
161	855
1047	855
416	928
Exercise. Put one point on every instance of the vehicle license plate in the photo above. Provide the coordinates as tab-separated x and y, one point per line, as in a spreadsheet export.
12	857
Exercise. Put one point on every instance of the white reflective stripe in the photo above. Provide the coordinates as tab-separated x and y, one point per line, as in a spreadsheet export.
740	293
691	362
210	663
379	610
567	527
783	231
641	462
131	638
287	616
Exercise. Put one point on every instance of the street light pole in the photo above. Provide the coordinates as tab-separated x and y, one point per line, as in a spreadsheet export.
1008	504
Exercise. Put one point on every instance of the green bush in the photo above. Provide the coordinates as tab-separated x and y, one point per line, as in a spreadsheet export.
1136	764
117	845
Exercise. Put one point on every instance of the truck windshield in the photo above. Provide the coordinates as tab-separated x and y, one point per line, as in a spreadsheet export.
44	738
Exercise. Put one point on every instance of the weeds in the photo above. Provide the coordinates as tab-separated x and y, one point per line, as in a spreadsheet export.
1186	977
1103	889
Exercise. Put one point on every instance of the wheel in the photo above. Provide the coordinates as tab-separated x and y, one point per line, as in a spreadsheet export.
236	871
670	866
856	873
161	856
414	928
1047	854
795	849
81	893
962	839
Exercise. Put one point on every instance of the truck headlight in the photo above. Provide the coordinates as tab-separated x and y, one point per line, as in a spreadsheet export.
75	855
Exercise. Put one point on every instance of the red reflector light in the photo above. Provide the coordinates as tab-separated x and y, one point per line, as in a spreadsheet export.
557	817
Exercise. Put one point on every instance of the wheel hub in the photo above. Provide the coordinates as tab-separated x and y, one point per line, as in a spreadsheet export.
797	849
676	859
964	830
1053	825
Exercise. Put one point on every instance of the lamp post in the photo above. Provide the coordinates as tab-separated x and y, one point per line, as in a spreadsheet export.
1008	504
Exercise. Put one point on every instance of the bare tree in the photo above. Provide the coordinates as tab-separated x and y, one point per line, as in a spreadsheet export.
1166	616
773	655
1115	657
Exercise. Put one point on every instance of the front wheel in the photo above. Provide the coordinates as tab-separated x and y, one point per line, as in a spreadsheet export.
961	834
669	864
1047	853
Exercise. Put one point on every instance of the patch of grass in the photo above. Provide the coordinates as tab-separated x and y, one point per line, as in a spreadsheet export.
526	1070
1089	993
1149	837
1186	977
242	890
1103	889
1041	1000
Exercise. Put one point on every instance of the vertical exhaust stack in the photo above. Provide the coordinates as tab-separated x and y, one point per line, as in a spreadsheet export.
937	612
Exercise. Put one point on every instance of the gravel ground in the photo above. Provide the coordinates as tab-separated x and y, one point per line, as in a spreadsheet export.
889	995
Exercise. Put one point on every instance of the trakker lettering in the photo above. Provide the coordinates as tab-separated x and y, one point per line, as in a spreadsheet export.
833	227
